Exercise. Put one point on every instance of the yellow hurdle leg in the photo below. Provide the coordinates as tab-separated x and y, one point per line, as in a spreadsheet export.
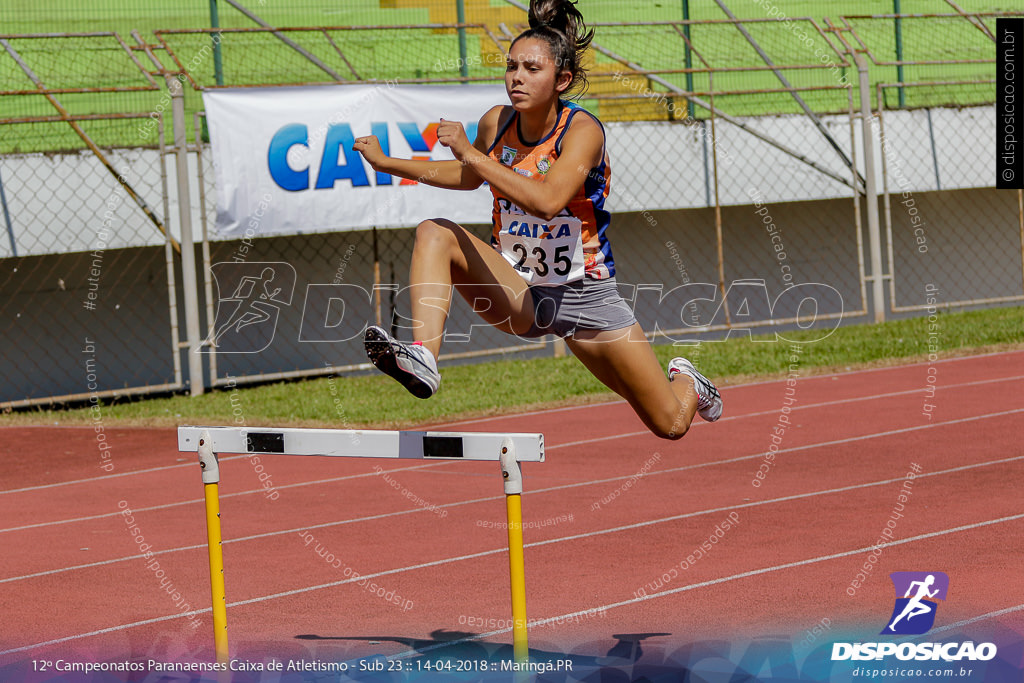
219	601
517	573
211	477
513	504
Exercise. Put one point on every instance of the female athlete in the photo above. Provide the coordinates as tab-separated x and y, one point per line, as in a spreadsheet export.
549	266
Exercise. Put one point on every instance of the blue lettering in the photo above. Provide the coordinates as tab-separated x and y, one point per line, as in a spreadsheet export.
380	129
413	136
277	157
524	229
563	231
512	227
339	137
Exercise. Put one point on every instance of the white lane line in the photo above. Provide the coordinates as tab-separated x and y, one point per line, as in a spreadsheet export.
560	487
972	620
636	525
555	446
732	387
781	499
775	411
538	622
100	564
223	495
726	579
111	476
712	463
110	629
789	565
845	373
890	432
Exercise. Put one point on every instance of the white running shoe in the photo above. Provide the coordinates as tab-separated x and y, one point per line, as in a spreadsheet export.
709	401
413	365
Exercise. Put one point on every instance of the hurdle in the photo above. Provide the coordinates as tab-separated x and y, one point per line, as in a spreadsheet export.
507	449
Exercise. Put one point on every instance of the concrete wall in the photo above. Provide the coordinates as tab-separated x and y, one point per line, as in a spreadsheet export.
972	239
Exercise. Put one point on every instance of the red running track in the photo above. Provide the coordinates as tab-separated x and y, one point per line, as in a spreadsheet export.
615	521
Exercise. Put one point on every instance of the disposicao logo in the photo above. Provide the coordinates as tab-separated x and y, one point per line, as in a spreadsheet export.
917	594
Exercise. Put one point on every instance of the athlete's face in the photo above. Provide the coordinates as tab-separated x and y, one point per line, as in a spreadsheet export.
532	79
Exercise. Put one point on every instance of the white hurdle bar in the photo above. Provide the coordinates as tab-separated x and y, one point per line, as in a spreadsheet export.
355	443
507	449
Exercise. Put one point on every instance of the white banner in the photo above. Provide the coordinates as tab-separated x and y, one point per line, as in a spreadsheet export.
284	163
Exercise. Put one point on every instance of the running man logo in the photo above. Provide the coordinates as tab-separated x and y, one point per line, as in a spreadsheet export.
916	594
249	301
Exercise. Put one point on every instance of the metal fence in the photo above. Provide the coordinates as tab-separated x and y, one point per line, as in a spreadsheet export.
99	194
124	15
85	263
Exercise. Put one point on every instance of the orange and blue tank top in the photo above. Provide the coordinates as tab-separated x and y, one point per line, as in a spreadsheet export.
578	232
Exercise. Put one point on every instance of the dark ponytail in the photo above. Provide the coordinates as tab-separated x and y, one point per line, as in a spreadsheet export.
559	24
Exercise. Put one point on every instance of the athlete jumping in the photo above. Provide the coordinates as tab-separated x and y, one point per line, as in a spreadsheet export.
548	268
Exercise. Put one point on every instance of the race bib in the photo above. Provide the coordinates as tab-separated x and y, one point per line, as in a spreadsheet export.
543	253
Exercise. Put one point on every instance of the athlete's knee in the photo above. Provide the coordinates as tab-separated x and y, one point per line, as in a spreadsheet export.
434	233
671	425
673	434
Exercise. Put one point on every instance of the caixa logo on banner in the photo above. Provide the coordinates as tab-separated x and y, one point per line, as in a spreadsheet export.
338	161
251	298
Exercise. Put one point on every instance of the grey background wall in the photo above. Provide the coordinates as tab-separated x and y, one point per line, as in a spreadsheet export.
970	254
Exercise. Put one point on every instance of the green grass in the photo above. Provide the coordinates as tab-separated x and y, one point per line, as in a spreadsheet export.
519	385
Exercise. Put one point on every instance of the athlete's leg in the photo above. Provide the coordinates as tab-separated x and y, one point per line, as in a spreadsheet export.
446	254
624	361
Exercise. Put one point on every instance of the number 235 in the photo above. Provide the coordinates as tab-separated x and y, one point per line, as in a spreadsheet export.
562	262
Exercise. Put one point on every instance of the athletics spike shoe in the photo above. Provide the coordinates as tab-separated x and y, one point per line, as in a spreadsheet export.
709	401
411	364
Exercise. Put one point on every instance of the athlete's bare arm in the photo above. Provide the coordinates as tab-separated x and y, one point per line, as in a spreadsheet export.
452	175
582	150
